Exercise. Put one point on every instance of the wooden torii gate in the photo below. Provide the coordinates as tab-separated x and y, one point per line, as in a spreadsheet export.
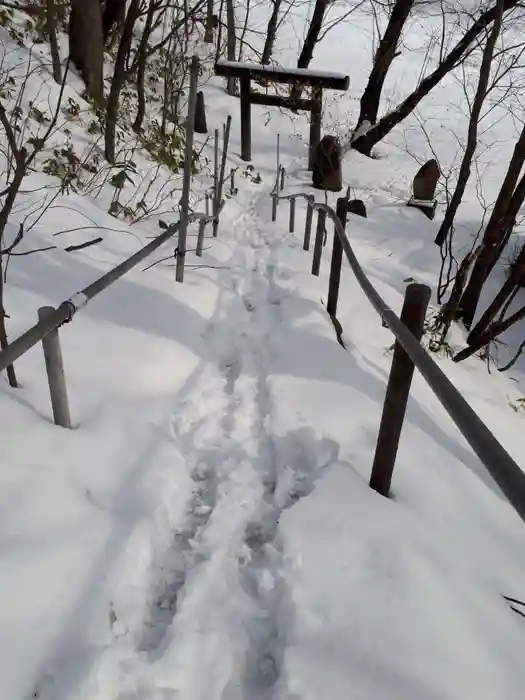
297	77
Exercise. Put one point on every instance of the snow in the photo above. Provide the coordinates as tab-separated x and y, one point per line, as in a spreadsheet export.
300	72
206	531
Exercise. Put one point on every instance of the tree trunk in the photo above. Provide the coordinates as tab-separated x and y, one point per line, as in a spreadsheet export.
384	126
312	35
490	334
113	18
513	280
141	68
86	45
51	25
5	212
230	41
472	135
271	33
385	54
119	76
494	235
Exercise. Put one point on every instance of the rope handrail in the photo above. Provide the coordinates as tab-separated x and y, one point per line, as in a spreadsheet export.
67	309
501	466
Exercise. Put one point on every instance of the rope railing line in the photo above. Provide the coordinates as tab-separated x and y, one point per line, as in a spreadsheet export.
501	466
67	309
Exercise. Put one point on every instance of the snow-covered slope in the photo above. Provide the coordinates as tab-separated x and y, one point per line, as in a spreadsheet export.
206	531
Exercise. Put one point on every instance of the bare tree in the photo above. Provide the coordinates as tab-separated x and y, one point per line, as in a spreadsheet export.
365	142
51	22
119	76
231	42
472	135
271	32
496	232
385	54
86	45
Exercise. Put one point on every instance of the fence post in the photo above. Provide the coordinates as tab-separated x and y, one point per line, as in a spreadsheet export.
55	372
188	168
291	226
200	237
308	223
417	297
220	182
337	259
283	174
275	202
318	245
215	177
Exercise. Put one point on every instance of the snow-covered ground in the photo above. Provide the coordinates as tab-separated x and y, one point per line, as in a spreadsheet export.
206	532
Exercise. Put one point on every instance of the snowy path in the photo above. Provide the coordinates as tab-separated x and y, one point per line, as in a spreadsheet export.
218	598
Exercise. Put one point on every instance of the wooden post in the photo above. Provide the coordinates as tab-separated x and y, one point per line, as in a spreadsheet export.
315	124
417	297
188	168
337	259
246	134
275	201
55	372
308	223
291	226
200	237
283	175
318	245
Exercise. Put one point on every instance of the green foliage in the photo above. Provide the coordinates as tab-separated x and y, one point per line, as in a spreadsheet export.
94	127
116	209
37	114
250	174
7	88
168	148
64	164
71	109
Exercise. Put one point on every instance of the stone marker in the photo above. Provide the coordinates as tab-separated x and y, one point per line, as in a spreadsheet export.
425	181
200	115
424	189
357	207
326	171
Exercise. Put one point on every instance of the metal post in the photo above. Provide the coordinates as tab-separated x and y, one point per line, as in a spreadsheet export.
225	143
281	183
55	372
246	135
278	157
200	237
417	297
232	181
337	259
275	201
318	245
308	223
291	226
188	168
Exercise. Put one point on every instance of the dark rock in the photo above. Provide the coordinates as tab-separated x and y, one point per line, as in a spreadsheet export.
326	171
425	181
200	115
357	207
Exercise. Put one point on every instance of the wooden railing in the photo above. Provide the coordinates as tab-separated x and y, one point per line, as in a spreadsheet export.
408	354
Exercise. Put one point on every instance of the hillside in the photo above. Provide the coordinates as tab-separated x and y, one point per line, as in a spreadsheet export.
206	530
